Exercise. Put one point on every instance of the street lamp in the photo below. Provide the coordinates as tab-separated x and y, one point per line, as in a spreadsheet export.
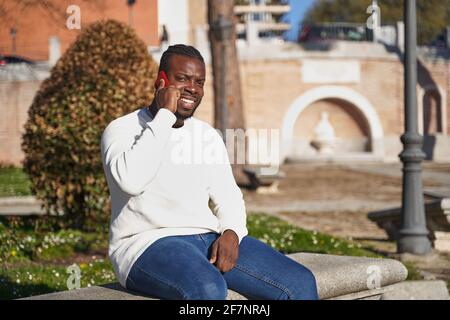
130	12
222	30
13	33
413	235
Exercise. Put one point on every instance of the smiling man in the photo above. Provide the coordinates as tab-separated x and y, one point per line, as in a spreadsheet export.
187	78
165	241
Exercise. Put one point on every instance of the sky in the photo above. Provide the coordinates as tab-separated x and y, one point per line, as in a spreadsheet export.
298	9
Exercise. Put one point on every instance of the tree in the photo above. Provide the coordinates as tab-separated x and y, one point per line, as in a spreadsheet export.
433	15
235	113
106	73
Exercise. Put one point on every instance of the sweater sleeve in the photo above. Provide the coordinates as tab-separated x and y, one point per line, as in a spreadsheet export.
229	205
134	165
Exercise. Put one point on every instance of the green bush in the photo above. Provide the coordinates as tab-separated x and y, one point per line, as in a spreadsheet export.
106	73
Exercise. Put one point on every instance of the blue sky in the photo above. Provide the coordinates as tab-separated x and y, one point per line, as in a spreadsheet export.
298	9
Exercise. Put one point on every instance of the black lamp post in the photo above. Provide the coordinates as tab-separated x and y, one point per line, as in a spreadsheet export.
130	11
222	30
413	235
13	33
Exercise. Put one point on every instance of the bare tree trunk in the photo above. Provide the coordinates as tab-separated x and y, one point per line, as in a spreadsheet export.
234	111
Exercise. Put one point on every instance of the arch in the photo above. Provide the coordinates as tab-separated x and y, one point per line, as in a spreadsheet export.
422	91
330	92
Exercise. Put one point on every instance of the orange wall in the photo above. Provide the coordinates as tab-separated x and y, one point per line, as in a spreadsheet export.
35	24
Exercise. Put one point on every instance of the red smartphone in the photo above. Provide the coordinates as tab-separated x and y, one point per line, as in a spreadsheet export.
161	75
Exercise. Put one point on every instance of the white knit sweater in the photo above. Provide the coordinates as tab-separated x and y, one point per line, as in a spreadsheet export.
160	181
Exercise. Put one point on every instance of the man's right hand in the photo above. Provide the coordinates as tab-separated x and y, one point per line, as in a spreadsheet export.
167	97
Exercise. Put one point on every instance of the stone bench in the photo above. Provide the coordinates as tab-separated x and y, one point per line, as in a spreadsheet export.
437	214
263	182
338	277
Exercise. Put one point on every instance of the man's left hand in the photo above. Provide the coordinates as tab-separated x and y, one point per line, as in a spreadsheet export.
225	251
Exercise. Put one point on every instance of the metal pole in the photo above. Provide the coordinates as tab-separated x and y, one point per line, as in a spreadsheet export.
13	33
130	11
223	100
130	16
413	235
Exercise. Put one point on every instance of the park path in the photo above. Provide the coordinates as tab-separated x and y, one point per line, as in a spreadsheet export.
335	199
436	172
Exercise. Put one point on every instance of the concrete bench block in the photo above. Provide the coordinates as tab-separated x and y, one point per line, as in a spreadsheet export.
342	275
259	178
338	277
437	214
417	290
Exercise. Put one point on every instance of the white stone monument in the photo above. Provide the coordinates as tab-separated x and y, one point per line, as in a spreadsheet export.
54	50
324	137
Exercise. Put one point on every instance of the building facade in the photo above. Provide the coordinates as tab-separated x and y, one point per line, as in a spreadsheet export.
340	102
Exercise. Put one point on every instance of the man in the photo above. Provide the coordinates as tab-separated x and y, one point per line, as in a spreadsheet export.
165	241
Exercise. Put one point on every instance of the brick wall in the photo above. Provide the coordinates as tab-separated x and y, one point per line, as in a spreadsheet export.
15	98
35	25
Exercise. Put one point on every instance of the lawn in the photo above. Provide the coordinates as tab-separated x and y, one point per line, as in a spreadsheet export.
36	263
14	182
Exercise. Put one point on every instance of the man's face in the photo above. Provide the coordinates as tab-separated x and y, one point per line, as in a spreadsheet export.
188	75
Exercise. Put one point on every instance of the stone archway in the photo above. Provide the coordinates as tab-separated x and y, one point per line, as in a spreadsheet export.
332	92
432	114
434	98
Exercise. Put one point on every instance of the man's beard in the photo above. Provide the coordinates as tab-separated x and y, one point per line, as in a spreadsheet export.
184	117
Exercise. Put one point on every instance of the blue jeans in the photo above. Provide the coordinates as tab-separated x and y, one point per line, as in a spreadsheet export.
177	267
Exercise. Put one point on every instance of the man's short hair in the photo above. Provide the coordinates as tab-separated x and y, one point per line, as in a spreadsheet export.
178	49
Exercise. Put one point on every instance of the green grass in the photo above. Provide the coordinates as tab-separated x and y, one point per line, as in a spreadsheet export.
28	279
35	263
289	239
413	273
14	182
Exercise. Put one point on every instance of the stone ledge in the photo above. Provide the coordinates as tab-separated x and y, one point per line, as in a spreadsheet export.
417	290
338	277
20	206
342	275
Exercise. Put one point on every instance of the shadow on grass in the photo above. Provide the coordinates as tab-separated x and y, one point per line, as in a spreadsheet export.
379	252
371	239
12	290
372	246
